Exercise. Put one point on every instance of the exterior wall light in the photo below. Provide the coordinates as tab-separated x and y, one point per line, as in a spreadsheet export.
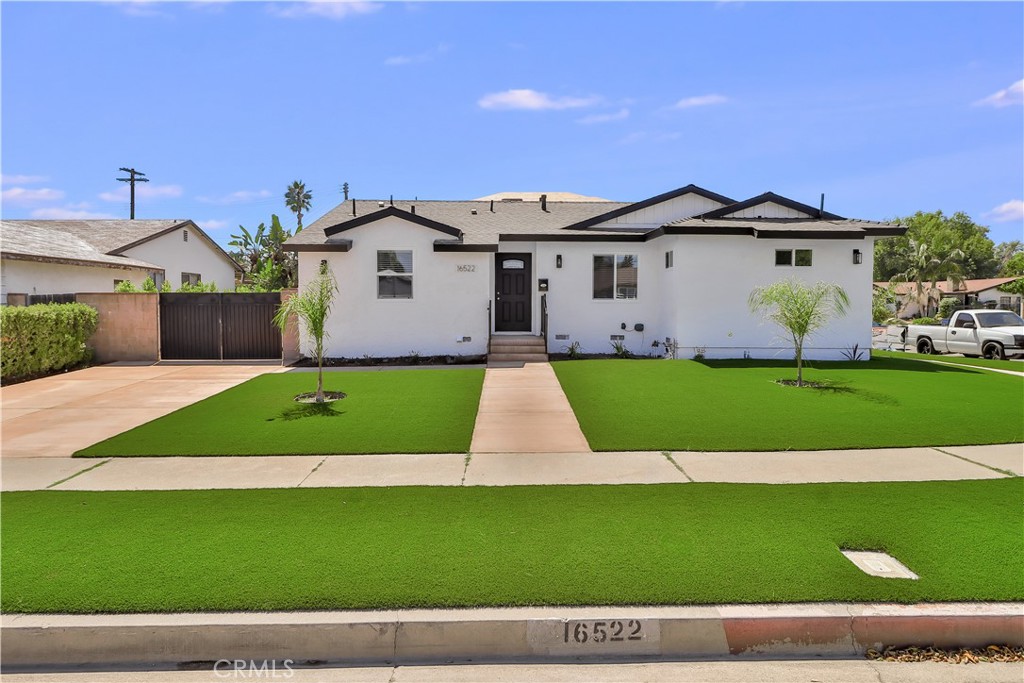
558	260
858	257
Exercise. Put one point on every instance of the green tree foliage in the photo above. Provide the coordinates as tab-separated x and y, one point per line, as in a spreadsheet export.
926	269
312	307
799	309
44	337
125	287
943	235
298	200
266	264
1007	253
1014	266
884	304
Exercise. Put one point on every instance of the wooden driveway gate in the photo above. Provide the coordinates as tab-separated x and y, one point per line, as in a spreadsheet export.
219	326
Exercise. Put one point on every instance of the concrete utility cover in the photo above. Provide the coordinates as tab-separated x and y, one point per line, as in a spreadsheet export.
879	564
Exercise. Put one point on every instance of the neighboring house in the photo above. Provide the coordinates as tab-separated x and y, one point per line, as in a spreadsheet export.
442	277
982	293
60	257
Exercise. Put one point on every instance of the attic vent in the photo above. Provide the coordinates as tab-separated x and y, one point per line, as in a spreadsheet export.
473	211
380	205
184	235
512	199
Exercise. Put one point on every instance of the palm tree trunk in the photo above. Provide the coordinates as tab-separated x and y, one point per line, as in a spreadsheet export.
800	366
320	377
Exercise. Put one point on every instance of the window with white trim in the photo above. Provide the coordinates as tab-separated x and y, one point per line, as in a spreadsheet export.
191	278
615	276
394	274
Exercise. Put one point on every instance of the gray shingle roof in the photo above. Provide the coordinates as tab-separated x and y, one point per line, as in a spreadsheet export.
485	226
480	228
31	240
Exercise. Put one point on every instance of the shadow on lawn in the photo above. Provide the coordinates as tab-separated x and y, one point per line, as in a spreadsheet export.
842	388
893	364
303	410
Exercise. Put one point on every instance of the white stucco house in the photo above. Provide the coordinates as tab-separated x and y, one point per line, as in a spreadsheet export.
447	277
70	256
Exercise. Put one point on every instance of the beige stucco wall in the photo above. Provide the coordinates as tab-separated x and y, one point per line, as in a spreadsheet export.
197	255
290	349
129	326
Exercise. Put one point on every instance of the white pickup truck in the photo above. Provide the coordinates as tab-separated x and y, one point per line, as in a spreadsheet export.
988	333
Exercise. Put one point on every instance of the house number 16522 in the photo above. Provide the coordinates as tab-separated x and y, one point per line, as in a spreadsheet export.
602	631
463	268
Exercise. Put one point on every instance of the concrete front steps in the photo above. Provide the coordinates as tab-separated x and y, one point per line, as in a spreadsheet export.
523	348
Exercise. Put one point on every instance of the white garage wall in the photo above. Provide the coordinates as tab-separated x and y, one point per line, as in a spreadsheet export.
34	277
194	256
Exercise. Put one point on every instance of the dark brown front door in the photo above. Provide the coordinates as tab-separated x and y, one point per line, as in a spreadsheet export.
512	293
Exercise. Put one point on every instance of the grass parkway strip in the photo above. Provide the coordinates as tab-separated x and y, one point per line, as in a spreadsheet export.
409	547
688	405
403	411
1014	365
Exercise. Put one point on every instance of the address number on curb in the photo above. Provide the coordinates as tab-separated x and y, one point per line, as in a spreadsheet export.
597	632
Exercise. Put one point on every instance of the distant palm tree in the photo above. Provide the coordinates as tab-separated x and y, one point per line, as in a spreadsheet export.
926	269
298	199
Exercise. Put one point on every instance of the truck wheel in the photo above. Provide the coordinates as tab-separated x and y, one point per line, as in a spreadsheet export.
924	347
994	350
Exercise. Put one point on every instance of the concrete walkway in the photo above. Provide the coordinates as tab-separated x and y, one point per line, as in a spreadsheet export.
511	469
524	410
58	415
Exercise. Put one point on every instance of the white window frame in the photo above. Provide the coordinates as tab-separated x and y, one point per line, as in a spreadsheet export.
383	273
615	276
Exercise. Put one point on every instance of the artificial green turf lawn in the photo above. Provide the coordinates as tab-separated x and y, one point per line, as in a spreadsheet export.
625	405
958	360
398	411
283	549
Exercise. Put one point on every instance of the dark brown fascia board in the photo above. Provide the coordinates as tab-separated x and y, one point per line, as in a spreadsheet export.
182	224
894	231
651	201
79	262
809	234
703	230
775	199
638	237
340	245
388	212
453	246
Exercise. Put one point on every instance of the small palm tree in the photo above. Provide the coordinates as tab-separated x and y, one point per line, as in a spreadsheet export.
926	268
298	199
312	307
800	310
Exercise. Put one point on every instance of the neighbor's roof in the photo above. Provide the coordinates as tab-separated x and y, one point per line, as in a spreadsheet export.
30	241
480	223
968	287
535	197
108	236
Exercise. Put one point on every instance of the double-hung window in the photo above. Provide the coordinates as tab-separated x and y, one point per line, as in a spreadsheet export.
793	257
615	276
394	274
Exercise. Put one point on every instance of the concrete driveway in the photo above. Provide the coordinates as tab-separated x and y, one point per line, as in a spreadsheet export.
58	415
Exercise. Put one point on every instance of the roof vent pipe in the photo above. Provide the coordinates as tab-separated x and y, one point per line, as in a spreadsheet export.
492	206
353	206
412	207
392	200
543	202
821	208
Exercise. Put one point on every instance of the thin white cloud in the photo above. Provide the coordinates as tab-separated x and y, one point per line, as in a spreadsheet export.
6	179
620	115
239	197
325	9
532	100
213	224
700	101
142	191
1004	98
1012	210
57	213
429	55
138	8
23	195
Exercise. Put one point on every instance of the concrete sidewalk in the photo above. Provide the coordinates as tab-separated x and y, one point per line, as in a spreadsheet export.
510	469
60	414
524	410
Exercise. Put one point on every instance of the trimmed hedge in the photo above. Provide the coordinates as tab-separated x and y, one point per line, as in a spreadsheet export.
43	338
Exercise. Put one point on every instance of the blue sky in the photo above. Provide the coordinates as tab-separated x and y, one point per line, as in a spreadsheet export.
887	108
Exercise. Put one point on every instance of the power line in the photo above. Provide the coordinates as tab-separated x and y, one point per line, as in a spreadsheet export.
134	177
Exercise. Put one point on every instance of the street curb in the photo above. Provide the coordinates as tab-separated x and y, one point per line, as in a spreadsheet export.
537	634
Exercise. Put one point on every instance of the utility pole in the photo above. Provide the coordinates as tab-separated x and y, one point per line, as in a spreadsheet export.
344	190
133	179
